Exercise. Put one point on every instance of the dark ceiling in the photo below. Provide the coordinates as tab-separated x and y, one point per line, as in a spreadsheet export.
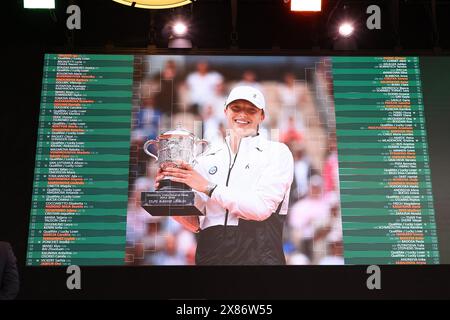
261	24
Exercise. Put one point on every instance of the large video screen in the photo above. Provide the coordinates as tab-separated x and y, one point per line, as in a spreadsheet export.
338	172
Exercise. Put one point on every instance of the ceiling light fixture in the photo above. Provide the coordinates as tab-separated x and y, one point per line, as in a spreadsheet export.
306	5
154	4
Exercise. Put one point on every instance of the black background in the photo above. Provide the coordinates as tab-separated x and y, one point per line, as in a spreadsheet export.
264	27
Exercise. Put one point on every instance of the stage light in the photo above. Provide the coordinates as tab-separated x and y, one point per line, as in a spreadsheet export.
345	40
154	4
39	4
346	29
306	5
179	28
179	34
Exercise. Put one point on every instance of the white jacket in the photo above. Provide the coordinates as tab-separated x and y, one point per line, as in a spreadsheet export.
259	178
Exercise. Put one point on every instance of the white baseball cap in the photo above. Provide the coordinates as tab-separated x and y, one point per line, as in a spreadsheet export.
250	94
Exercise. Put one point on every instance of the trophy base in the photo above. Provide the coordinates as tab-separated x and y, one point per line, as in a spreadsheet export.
170	203
169	185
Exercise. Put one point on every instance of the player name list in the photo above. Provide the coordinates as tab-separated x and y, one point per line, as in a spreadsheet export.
80	192
386	196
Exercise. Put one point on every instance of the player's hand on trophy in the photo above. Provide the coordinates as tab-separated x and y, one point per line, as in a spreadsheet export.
184	173
159	176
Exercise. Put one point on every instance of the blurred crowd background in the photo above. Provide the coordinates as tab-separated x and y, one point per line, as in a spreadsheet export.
191	91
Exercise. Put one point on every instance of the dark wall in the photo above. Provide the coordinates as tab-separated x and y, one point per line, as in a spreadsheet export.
262	24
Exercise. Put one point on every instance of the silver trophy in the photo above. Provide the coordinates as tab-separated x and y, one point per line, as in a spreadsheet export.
173	198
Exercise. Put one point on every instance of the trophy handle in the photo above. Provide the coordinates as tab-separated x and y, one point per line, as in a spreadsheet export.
200	141
146	144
